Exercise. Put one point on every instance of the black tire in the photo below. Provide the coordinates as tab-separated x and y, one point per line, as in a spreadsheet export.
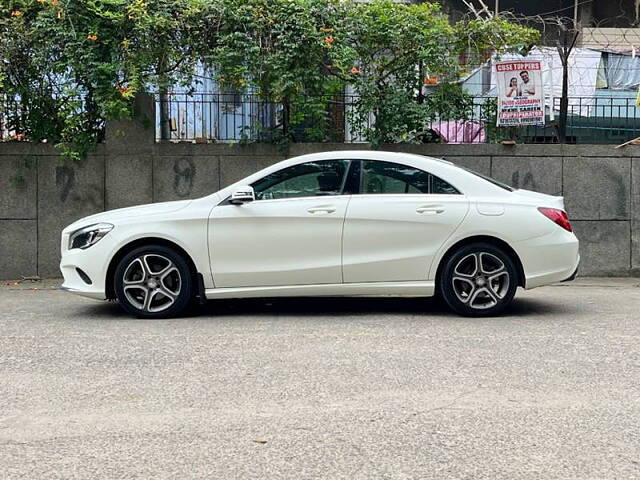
484	292
167	279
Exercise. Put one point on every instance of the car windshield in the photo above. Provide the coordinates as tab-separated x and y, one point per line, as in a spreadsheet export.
490	180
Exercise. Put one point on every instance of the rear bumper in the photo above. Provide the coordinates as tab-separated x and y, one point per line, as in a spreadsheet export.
549	259
573	275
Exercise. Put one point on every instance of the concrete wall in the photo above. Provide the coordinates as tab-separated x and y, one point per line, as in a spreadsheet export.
601	186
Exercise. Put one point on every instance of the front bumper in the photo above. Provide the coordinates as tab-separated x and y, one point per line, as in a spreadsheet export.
93	262
83	292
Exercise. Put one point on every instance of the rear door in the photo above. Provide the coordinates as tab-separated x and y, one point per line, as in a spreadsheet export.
397	223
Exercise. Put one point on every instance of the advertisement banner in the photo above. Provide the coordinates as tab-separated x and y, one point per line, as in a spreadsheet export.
520	93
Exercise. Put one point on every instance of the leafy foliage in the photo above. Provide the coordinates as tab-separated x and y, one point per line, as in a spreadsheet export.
494	35
73	64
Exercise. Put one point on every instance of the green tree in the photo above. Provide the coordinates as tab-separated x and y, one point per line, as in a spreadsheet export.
276	48
75	63
386	51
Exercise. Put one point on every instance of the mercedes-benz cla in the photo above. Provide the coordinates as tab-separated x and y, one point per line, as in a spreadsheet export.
345	223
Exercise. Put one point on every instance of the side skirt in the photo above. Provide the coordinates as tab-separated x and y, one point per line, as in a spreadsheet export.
373	289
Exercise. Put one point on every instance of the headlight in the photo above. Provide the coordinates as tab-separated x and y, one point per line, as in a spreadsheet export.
87	236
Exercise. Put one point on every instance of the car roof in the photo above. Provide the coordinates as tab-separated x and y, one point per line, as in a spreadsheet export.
366	155
462	179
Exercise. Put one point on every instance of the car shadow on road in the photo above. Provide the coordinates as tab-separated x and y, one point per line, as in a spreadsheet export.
334	306
341	306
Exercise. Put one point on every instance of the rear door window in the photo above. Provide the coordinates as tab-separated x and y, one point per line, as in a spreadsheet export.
395	178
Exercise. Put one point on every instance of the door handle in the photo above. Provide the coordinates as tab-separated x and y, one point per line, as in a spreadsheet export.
430	209
325	209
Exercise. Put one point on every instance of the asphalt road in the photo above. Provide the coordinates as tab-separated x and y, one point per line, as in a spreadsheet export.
329	388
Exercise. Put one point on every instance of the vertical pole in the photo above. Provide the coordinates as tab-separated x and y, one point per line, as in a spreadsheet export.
568	43
564	99
497	9
552	114
286	116
420	82
165	127
565	46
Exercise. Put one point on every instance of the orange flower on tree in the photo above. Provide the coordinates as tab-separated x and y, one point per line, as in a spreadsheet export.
126	92
329	41
93	37
17	13
355	70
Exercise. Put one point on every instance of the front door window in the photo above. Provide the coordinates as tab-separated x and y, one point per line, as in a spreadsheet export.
311	179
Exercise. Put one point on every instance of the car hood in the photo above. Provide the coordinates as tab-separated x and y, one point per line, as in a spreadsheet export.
541	199
113	216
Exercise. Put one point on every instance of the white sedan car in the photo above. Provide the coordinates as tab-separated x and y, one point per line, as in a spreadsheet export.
349	223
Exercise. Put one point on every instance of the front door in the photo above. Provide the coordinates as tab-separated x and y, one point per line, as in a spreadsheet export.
290	235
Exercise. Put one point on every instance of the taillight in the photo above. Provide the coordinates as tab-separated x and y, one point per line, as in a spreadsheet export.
557	216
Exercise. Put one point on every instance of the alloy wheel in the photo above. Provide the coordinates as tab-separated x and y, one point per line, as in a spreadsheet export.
480	280
152	283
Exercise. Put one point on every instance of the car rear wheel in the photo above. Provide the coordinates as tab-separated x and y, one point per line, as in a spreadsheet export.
479	280
153	282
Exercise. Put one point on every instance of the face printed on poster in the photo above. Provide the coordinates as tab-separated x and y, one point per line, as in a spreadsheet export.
520	96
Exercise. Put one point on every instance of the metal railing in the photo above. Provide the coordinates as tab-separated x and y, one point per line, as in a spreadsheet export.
21	120
590	120
233	117
10	112
214	117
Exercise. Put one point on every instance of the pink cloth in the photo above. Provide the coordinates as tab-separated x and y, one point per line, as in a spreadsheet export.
456	131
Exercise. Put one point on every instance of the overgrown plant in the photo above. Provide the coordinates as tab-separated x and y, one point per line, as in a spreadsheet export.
392	49
278	50
73	64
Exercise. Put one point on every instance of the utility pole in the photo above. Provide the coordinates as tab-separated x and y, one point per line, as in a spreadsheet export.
569	37
165	127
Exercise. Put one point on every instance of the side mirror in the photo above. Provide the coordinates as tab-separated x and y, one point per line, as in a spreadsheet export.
242	195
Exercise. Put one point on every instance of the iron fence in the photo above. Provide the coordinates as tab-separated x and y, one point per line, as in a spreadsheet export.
598	119
226	117
212	116
23	120
216	117
10	109
611	118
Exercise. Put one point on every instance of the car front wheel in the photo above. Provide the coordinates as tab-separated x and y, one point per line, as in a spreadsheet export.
479	280
153	282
